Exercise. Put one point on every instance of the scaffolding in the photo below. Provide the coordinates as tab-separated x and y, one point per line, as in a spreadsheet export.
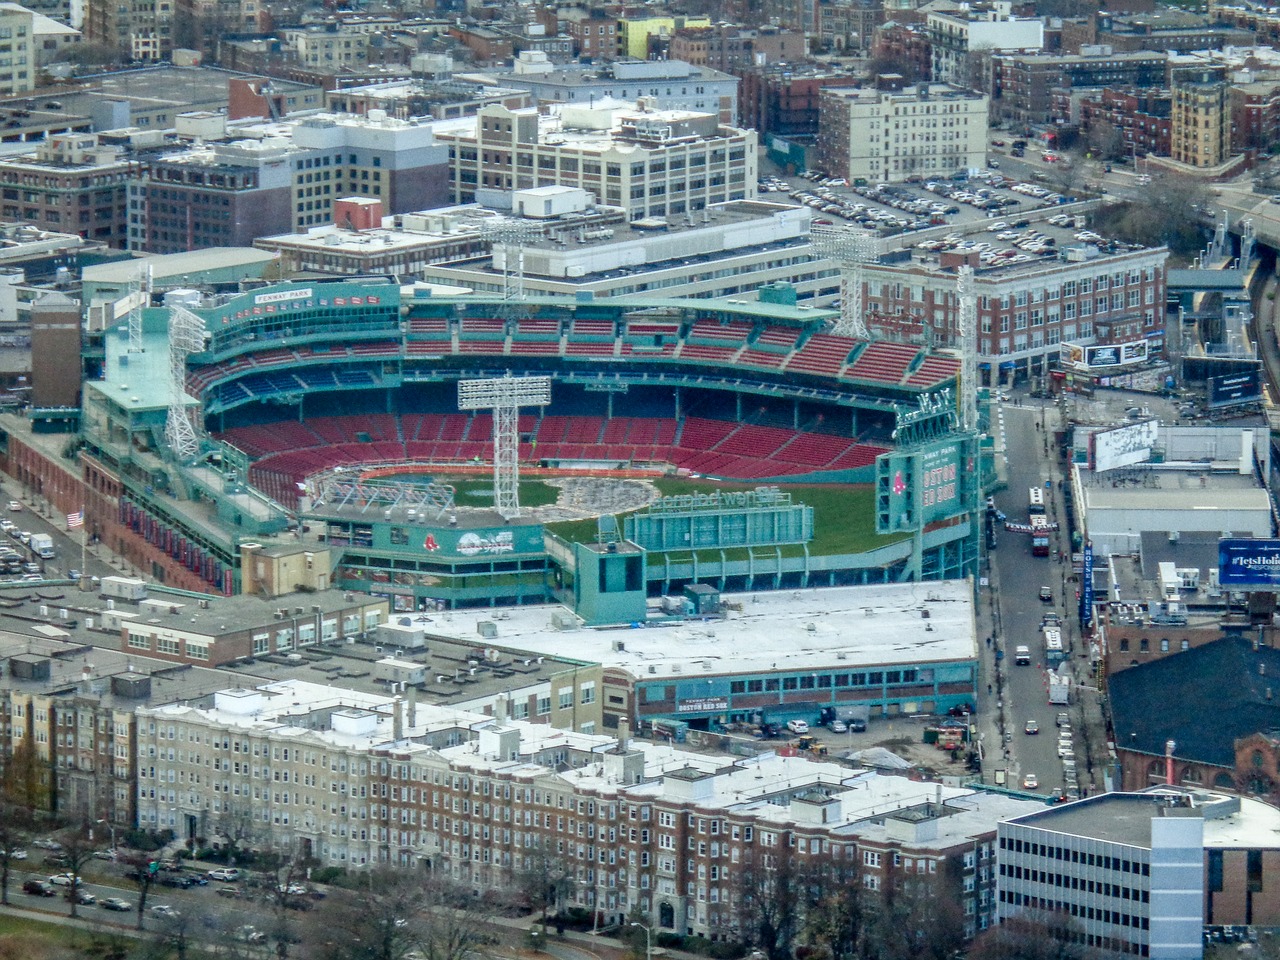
505	396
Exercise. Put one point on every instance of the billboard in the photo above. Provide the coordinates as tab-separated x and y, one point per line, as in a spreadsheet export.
1086	587
923	485
1123	446
478	543
1249	563
1234	389
1103	356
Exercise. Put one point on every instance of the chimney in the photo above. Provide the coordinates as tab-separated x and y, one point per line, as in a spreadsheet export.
413	707
397	719
1169	747
624	734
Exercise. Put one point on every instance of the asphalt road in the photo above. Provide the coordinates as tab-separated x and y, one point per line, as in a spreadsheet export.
1020	577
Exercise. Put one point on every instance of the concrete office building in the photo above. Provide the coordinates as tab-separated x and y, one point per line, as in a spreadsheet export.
895	132
1128	869
962	41
1223	495
667	84
18	50
730	249
651	163
229	194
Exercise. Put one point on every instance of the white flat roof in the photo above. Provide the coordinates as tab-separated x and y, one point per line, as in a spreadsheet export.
882	624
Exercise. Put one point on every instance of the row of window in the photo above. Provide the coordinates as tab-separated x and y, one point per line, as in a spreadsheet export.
827	681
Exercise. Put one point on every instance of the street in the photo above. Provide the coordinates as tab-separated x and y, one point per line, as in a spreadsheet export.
1021	692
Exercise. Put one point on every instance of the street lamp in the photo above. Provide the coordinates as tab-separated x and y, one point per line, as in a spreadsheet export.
112	828
648	939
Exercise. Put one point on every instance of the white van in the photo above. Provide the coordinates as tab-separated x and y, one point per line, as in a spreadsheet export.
1022	656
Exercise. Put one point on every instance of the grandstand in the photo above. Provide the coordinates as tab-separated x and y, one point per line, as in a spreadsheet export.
299	380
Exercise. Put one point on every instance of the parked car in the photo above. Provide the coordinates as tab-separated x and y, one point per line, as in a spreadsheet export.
15	506
82	897
104	854
181	883
65	880
17	854
116	903
839	726
39	888
225	874
797	726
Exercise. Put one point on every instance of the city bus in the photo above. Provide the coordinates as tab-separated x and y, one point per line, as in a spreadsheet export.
1036	501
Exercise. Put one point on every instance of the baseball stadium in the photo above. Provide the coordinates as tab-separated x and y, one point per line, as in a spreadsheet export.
457	450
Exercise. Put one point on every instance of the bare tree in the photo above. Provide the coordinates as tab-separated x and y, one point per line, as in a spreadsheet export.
398	913
1033	935
544	880
77	845
768	901
15	829
915	917
143	871
837	922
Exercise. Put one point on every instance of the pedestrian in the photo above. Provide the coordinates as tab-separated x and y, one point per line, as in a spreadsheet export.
988	689
988	643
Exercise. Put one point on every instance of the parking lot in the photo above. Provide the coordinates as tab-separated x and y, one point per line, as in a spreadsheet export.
893	209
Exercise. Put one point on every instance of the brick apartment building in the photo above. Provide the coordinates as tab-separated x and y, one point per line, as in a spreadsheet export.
905	49
735	49
1128	122
679	837
1025	86
1023	314
72	184
783	101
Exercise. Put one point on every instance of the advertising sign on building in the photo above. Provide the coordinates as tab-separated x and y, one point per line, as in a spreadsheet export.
1249	562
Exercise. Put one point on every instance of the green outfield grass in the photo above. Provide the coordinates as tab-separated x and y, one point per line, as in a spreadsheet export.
843	516
478	491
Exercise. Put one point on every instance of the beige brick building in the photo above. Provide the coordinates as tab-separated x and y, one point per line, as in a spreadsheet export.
652	163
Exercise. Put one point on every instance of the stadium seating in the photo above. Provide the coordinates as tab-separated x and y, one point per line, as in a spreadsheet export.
289	451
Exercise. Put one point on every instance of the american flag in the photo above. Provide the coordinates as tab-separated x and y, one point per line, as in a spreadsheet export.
75	519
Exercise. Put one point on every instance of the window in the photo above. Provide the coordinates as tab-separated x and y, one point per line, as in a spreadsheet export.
589	693
566	698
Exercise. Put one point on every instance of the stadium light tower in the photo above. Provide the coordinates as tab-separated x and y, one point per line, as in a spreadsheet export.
511	234
505	396
851	250
186	336
967	304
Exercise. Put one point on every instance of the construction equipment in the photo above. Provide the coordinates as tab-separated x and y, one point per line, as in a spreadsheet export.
810	745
